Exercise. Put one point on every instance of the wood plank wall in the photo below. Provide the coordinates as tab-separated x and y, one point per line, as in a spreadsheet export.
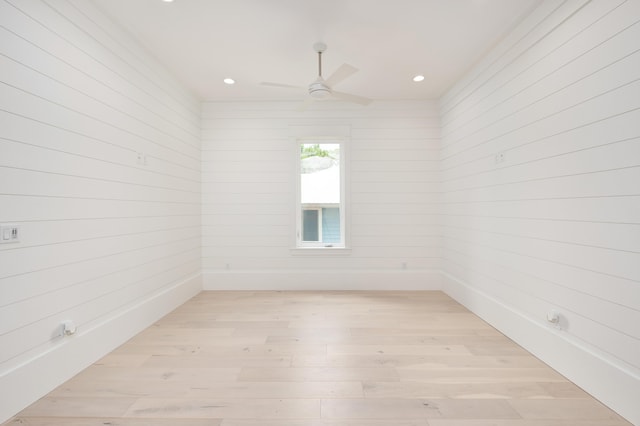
541	181
249	193
101	231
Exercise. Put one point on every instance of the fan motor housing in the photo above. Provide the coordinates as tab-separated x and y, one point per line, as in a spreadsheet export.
319	90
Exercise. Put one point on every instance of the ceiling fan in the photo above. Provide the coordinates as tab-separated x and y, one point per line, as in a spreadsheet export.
322	89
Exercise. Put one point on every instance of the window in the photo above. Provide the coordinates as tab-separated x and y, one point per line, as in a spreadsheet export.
320	207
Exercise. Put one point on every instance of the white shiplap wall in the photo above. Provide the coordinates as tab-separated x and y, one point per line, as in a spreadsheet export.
106	242
249	196
541	180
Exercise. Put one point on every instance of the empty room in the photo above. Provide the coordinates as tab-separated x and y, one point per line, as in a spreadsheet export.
320	213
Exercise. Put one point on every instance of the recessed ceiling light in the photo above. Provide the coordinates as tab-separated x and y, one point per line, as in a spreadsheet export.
418	78
229	81
168	1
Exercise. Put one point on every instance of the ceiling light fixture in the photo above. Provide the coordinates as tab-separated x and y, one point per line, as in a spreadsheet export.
168	1
229	81
319	89
418	78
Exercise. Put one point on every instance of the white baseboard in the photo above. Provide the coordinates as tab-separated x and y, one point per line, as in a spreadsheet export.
323	280
596	373
44	373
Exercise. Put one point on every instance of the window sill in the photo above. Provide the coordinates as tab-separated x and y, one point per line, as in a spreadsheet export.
320	251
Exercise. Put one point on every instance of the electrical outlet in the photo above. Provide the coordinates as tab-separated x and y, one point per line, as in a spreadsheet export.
69	328
553	317
9	234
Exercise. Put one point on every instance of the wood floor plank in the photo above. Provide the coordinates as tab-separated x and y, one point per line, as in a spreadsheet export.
208	361
79	407
158	375
109	421
324	422
266	332
481	329
525	422
213	408
480	375
261	351
563	409
415	361
402	408
447	350
419	389
316	358
373	409
214	389
320	374
124	360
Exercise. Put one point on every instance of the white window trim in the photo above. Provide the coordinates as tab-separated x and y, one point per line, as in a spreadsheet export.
333	134
320	251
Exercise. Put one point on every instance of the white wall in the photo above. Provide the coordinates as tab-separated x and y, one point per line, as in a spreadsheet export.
106	242
249	196
555	225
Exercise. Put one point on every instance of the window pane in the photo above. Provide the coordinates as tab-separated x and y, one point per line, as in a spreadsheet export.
331	225
310	225
320	174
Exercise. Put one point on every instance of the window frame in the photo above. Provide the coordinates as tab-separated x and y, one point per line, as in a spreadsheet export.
309	247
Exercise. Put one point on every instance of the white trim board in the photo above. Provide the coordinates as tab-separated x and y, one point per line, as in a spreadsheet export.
41	375
406	279
610	383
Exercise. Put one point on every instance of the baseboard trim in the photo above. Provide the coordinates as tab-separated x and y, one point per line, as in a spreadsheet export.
323	280
30	381
609	382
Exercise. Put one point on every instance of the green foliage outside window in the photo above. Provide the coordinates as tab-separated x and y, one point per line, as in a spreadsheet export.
307	151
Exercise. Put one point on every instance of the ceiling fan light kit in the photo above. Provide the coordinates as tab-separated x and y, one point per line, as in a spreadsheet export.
322	89
319	90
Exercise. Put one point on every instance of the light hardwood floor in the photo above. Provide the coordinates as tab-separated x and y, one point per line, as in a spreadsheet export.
319	359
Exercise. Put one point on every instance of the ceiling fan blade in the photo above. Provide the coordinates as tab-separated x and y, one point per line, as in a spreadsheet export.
351	98
340	74
286	86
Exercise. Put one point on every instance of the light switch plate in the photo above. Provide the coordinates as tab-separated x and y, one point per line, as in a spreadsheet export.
9	234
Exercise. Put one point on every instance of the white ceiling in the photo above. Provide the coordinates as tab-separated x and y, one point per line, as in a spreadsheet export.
203	41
